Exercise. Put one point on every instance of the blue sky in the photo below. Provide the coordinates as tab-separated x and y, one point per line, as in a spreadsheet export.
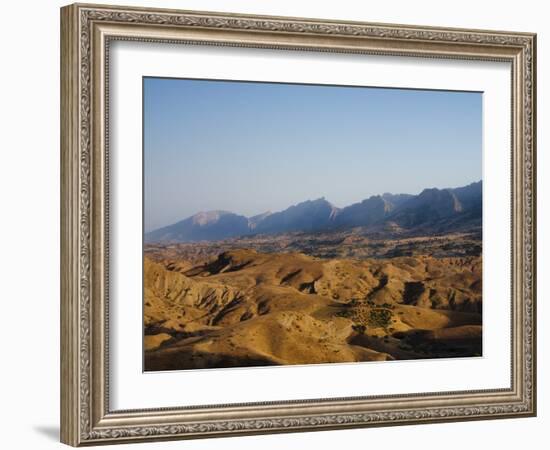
252	147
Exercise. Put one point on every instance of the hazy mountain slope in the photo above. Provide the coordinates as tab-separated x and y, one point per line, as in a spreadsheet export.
429	205
210	226
306	216
396	199
365	213
471	196
255	220
443	209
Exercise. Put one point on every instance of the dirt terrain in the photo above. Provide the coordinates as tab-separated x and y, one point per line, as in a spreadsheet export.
311	298
356	243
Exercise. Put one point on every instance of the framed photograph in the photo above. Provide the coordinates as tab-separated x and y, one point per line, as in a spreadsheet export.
276	224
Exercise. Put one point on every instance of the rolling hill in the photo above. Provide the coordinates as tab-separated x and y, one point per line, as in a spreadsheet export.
246	308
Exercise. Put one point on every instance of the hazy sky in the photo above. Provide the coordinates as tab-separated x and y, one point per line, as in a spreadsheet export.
252	147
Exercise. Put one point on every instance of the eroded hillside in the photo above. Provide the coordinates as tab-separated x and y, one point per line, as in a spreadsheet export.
246	308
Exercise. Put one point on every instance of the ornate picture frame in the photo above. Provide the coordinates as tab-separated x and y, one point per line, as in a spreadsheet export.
87	32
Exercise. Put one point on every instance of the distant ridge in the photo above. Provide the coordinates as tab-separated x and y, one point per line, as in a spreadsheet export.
203	226
442	209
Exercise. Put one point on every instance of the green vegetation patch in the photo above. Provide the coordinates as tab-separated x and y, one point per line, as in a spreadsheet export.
363	317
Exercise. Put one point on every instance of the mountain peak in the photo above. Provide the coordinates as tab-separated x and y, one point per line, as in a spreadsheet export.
305	216
255	220
208	217
318	201
405	211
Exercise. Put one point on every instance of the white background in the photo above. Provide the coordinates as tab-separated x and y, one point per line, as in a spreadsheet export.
132	389
29	177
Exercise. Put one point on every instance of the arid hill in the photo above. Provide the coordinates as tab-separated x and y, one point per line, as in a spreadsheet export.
248	308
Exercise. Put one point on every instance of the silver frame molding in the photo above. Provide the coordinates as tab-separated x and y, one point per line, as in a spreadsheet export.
86	32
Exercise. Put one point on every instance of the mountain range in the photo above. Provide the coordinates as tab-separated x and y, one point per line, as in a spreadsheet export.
441	210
